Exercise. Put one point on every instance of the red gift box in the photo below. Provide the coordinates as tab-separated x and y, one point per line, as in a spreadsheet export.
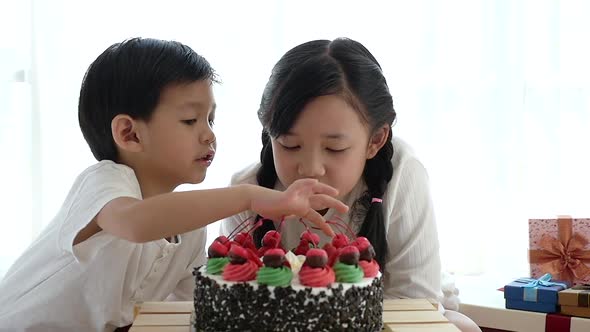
561	247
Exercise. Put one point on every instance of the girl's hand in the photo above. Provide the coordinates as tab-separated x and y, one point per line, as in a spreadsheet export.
302	198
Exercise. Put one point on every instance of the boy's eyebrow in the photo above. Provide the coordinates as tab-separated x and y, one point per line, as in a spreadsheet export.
199	105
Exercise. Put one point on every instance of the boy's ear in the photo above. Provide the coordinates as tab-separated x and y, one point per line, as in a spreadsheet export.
377	140
125	133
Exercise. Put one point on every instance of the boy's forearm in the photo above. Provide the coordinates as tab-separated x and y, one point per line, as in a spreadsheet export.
180	212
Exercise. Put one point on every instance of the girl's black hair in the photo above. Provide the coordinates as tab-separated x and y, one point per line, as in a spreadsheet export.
341	67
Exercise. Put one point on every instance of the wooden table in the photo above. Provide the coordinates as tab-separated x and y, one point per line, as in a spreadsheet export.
404	315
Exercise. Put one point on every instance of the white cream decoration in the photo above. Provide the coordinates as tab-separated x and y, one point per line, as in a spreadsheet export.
295	261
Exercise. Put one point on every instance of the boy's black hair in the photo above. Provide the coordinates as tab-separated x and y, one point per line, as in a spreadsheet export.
341	67
128	78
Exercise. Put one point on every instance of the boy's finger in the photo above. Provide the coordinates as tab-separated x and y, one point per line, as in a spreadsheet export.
322	188
307	181
322	201
319	221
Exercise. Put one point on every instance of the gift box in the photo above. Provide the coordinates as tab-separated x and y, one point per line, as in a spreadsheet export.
534	294
575	301
560	247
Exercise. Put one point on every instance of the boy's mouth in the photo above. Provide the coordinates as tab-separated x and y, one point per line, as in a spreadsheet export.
207	159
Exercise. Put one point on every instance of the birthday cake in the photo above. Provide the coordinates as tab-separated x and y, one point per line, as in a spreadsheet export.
337	287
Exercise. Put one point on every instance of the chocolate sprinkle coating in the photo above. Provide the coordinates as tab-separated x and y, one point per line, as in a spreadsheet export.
240	307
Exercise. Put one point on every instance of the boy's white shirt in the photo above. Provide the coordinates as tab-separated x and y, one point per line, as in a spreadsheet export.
413	269
94	285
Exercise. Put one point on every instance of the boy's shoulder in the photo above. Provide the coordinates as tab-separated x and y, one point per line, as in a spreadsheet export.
106	168
106	165
104	177
247	175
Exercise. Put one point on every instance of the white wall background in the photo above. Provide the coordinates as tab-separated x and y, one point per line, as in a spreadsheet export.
493	95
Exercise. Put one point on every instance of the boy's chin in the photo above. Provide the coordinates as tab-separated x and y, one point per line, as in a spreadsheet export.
195	178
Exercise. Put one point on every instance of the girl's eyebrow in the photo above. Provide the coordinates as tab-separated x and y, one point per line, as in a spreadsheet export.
334	136
328	136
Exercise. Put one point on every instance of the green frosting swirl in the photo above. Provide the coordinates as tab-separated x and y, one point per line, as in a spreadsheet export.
272	276
348	273
216	265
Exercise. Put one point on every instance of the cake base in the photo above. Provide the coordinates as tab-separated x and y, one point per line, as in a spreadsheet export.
240	306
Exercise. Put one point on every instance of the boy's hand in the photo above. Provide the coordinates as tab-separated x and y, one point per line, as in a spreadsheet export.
302	198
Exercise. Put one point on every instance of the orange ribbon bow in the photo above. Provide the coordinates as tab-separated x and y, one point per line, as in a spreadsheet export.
563	257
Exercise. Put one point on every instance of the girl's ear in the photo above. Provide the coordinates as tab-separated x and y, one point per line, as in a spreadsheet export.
125	133
378	139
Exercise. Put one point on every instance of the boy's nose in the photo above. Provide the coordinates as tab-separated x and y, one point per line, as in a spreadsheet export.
210	139
208	136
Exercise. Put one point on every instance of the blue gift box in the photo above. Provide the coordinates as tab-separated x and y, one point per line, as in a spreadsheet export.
534	294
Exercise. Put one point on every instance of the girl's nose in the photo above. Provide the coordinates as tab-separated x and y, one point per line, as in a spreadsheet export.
311	167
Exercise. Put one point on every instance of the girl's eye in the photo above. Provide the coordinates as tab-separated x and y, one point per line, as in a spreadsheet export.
211	122
189	122
290	148
336	150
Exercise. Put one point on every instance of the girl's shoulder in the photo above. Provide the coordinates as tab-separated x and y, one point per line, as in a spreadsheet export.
400	143
403	153
409	173
246	175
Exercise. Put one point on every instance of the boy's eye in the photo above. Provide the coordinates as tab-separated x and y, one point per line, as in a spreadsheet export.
211	122
336	150
189	122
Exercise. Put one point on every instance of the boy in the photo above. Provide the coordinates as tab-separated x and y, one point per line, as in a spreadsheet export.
122	235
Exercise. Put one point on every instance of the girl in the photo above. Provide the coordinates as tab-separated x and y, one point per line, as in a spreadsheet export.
327	114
